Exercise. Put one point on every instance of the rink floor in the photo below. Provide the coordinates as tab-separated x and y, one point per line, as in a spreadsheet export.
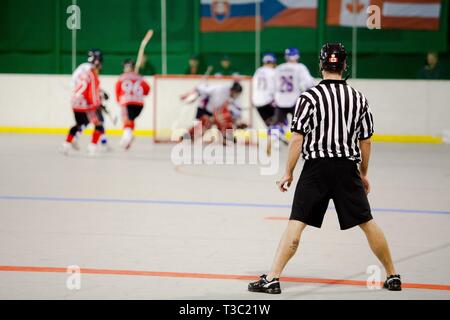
141	228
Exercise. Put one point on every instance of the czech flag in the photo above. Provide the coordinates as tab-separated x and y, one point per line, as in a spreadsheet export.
395	14
290	13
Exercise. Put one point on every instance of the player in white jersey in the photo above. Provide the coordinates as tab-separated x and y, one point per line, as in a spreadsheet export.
219	106
291	78
263	88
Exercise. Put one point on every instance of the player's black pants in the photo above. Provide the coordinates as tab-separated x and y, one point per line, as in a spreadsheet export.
82	119
280	116
266	113
133	111
202	112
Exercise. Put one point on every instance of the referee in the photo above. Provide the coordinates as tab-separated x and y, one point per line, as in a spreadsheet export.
332	127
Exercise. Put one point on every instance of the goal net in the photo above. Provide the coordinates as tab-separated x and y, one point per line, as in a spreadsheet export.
172	117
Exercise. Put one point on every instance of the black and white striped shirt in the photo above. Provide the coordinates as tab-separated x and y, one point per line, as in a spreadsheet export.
332	117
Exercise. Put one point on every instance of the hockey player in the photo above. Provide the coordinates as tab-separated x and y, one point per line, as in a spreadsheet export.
86	99
219	106
131	88
263	85
292	78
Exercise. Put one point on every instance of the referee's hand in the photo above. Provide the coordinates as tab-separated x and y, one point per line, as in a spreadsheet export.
286	180
366	183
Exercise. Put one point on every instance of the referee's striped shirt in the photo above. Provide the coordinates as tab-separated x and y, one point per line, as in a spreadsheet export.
332	117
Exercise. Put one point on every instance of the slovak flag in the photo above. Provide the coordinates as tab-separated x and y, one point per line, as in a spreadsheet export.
395	14
228	15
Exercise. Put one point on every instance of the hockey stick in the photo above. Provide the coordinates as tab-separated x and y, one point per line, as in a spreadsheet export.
189	99
208	72
140	56
110	116
103	108
193	96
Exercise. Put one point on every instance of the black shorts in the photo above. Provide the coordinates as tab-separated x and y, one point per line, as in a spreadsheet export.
134	111
280	116
81	118
266	112
328	179
202	112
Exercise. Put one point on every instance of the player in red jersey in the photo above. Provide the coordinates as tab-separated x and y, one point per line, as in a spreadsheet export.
86	99
131	88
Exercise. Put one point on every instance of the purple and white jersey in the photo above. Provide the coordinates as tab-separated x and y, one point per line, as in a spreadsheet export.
291	80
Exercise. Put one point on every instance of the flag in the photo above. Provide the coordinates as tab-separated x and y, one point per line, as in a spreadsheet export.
395	14
290	13
411	14
228	15
240	15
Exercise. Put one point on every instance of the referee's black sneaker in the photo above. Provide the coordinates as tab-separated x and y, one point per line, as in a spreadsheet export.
265	286
393	283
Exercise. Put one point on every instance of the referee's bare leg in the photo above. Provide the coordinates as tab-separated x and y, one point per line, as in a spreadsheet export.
291	237
379	245
286	249
374	234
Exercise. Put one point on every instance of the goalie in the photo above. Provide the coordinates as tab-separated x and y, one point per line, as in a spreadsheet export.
218	106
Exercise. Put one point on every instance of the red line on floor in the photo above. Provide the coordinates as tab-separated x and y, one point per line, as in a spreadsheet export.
277	218
213	276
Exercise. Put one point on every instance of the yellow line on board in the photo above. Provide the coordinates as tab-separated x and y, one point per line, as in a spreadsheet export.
26	130
150	133
406	139
401	138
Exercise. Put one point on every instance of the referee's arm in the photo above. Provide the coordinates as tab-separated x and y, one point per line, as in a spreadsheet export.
300	126
295	149
365	145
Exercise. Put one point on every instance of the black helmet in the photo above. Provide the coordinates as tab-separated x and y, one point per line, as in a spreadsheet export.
95	56
236	87
333	57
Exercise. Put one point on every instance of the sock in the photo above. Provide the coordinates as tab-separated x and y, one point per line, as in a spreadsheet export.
127	135
69	138
129	124
96	136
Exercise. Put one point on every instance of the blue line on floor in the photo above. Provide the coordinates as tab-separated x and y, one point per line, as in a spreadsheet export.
196	203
